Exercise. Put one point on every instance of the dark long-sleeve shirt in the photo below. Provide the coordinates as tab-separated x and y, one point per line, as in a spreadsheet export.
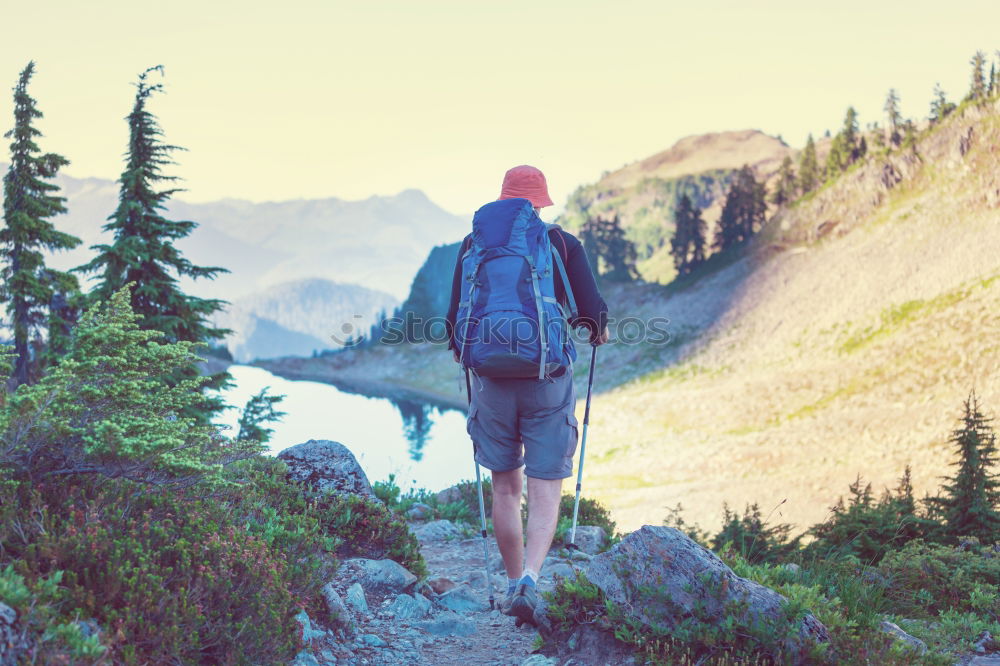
592	311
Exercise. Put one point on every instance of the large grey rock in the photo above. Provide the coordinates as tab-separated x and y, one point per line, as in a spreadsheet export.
356	598
326	465
436	530
589	538
555	569
309	634
448	623
912	643
406	607
461	599
419	511
377	576
660	576
337	611
304	658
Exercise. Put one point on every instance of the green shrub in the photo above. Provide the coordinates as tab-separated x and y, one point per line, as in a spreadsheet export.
753	537
167	577
924	579
591	512
345	525
52	635
865	528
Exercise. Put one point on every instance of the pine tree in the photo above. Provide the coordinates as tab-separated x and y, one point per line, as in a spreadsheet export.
969	506
743	212
143	250
992	80
687	246
809	167
612	255
847	148
260	409
785	188
29	200
893	116
940	106
977	89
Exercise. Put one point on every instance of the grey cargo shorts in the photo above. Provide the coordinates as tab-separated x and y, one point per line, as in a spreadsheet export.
524	421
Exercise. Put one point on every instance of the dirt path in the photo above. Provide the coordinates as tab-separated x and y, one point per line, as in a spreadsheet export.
411	624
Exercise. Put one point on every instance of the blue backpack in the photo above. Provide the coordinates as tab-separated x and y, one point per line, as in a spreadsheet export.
509	323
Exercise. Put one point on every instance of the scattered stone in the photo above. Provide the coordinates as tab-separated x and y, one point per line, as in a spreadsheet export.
372	640
461	599
540	660
589	538
984	641
440	584
308	633
449	495
597	646
377	576
580	556
304	658
557	570
913	643
436	530
406	607
13	644
985	661
419	511
356	598
476	578
326	465
328	656
792	567
339	617
448	623
692	581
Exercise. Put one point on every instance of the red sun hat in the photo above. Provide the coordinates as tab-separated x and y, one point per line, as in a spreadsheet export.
526	182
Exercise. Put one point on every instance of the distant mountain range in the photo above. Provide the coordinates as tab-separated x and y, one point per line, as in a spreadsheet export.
295	266
300	317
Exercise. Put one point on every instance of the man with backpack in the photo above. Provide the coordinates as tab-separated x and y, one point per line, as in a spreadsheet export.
519	286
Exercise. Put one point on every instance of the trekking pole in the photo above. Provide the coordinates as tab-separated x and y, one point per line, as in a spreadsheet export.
482	504
583	448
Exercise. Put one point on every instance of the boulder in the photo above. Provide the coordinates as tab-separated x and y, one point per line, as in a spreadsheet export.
555	569
448	623
377	576
356	598
912	643
339	616
309	634
436	530
419	511
406	607
440	584
589	538
326	465
449	495
661	577
461	599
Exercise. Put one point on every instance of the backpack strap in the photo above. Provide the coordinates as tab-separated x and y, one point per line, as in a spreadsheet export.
571	301
541	316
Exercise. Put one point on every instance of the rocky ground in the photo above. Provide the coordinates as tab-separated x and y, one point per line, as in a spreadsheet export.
381	614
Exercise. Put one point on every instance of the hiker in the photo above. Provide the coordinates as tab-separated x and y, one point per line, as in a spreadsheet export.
523	416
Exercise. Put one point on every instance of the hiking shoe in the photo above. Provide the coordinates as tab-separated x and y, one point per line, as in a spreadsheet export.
522	605
505	604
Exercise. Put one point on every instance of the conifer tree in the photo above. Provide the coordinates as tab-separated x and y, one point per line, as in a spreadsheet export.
970	505
605	243
848	146
808	167
940	106
260	409
743	212
785	188
687	246
977	88
143	250
894	117
29	201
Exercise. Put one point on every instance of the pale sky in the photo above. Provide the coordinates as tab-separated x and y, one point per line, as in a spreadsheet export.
310	98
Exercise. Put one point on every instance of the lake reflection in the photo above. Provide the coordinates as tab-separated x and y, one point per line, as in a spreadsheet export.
423	445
